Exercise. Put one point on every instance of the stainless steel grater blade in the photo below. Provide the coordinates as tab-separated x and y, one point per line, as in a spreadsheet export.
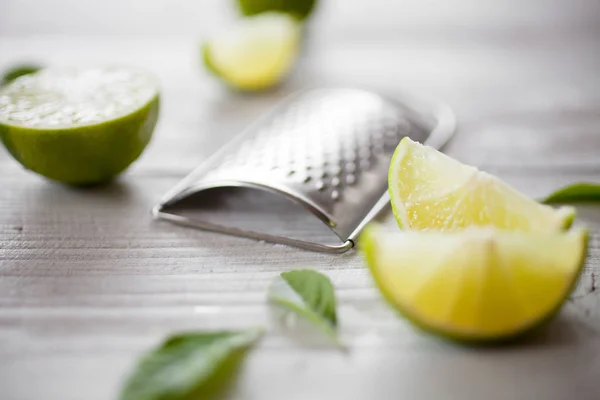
327	150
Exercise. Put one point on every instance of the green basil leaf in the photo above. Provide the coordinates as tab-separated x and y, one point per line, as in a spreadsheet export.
190	366
578	192
308	294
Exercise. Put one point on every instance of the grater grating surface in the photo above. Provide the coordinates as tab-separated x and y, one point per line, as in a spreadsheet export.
326	149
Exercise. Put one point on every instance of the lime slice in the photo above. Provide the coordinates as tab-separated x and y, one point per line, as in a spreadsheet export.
299	8
481	284
256	53
429	190
79	126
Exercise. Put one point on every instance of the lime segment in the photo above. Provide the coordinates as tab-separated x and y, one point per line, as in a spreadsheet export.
480	284
429	190
255	54
79	126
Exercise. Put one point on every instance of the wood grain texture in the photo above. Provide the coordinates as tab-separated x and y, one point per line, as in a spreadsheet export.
88	281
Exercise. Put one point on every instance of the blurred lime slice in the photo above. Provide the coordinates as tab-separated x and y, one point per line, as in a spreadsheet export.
79	126
299	8
256	53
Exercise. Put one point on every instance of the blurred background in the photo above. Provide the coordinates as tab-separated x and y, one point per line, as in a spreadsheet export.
496	62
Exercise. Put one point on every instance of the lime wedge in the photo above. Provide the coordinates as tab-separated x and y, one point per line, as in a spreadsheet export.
255	54
481	284
430	190
299	8
79	126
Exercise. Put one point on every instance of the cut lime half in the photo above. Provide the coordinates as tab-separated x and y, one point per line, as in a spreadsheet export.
477	285
429	190
79	126
255	54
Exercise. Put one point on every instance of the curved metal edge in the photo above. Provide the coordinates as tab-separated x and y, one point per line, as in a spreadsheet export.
300	200
291	195
184	221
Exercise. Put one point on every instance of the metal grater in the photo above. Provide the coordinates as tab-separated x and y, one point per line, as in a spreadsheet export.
325	149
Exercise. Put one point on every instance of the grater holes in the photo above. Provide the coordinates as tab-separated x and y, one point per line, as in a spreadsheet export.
336	170
364	154
365	164
324	142
350	156
378	149
335	195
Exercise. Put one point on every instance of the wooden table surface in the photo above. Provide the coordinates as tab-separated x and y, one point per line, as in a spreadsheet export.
88	281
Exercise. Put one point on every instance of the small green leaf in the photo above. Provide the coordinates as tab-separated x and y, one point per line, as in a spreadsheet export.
190	366
578	192
308	294
18	71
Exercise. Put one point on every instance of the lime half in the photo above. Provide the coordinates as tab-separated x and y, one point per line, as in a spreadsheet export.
481	284
430	190
79	126
255	54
